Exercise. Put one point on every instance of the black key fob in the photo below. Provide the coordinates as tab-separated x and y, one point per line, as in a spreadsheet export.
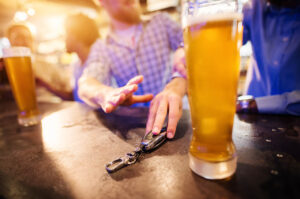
151	142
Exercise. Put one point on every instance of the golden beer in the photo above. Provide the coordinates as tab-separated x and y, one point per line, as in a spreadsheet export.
19	71
212	55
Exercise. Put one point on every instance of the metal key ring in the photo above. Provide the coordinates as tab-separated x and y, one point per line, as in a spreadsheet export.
115	165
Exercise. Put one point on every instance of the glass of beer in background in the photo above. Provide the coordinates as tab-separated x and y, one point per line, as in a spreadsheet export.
17	63
212	40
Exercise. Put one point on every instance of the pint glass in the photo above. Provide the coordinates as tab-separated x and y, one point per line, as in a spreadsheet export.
19	71
212	39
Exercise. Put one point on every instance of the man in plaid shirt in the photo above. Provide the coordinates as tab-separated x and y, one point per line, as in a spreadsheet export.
137	55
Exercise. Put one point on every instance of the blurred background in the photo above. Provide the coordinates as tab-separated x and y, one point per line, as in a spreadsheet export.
46	20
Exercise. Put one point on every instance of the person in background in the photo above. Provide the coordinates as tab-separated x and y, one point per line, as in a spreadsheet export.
77	41
18	35
137	56
273	78
81	33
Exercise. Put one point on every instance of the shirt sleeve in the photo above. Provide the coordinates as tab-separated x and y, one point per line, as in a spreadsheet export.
247	14
287	103
97	66
175	36
174	31
99	71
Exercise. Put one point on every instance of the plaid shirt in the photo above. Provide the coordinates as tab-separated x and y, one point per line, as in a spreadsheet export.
151	56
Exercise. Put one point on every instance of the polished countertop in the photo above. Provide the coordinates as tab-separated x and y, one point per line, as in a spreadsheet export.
65	157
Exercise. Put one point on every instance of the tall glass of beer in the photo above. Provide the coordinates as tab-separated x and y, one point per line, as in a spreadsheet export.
17	63
212	39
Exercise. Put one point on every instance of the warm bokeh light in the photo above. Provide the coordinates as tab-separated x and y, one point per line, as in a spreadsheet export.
20	16
32	28
31	12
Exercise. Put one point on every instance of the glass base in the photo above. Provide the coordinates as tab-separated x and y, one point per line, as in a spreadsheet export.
30	121
213	170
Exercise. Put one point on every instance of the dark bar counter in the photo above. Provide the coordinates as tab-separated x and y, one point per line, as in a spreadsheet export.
65	157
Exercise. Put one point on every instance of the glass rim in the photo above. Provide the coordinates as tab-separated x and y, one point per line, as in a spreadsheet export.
195	12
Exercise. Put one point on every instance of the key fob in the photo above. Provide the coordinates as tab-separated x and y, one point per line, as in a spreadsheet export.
151	142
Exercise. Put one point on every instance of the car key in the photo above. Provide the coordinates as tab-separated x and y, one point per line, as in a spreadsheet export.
148	144
151	142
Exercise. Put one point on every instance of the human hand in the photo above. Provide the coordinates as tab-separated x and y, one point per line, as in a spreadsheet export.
168	101
179	63
111	98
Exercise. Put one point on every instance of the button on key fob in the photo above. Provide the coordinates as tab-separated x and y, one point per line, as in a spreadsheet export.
151	142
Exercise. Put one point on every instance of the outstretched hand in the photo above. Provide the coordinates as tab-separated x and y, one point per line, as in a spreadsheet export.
115	97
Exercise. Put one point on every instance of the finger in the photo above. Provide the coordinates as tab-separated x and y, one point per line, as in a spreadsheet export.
151	115
141	98
113	103
160	116
127	90
108	108
133	99
125	99
136	80
175	113
115	100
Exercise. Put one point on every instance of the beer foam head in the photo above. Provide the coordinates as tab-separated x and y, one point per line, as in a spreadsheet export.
199	12
16	52
192	20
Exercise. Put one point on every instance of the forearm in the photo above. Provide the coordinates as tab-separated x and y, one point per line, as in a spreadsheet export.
64	94
287	103
91	91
